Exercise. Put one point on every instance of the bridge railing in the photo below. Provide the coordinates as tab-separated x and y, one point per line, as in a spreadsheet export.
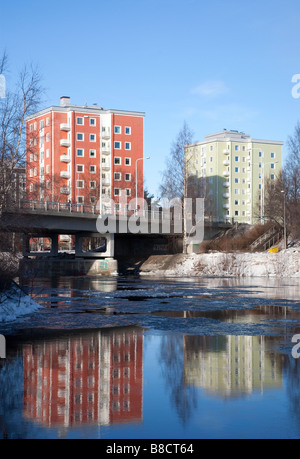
71	208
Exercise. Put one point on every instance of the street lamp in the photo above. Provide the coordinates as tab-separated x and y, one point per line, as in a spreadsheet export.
136	179
284	218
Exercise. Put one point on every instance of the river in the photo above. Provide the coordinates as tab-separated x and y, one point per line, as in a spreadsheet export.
130	358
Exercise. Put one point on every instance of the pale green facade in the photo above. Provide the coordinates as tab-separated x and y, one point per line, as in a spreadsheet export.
234	169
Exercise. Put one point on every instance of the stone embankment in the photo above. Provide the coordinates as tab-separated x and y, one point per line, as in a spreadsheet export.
285	263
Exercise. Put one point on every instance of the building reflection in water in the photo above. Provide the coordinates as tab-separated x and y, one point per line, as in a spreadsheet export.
231	366
94	378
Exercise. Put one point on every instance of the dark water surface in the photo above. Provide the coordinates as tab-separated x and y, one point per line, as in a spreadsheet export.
120	358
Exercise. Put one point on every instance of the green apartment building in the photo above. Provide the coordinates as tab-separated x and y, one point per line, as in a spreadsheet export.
232	169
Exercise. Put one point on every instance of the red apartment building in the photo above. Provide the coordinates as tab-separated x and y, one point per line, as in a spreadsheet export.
84	154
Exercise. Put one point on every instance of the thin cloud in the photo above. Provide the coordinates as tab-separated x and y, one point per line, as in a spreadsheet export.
211	88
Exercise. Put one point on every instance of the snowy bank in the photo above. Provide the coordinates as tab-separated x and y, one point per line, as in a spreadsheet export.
15	303
285	263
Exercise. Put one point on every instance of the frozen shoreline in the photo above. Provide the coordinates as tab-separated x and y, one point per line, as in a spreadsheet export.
15	303
285	263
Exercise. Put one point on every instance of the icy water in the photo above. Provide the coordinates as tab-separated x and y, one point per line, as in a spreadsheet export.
126	358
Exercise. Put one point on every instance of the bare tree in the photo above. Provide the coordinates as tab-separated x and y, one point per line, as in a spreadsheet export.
17	105
175	178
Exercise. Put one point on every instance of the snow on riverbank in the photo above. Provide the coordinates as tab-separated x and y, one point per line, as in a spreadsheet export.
15	303
285	263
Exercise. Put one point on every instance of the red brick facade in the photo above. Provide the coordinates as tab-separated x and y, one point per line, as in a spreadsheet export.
84	155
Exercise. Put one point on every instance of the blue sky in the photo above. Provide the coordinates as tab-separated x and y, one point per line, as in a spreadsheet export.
214	64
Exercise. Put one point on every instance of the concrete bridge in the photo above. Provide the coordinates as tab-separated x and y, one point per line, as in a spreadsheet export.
135	233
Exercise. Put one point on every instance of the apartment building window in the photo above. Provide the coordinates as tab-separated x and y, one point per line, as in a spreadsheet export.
128	192
93	200
92	153
93	184
31	187
127	177
260	154
236	202
272	155
31	128
92	121
237	147
117	145
127	130
35	172
117	192
30	173
47	137
80	136
127	161
127	145
47	169
236	213
272	166
47	153
35	126
272	176
79	120
42	124
47	121
80	152
92	137
236	158
93	169
80	199
117	160
80	168
236	180
236	191
30	157
117	176
80	183
117	130
236	169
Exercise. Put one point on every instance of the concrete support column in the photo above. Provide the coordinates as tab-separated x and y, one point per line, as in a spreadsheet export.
54	245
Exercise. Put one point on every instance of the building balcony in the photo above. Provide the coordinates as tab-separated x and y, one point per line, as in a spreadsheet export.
226	184
226	162
225	206
106	133
65	142
65	174
105	182
226	173
65	127
65	158
226	195
106	167
226	152
106	150
65	190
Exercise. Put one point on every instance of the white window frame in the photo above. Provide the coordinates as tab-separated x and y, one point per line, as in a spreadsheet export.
118	157
115	145
127	146
80	165
93	138
80	198
116	128
77	184
118	190
127	179
93	124
117	174
93	184
128	127
93	169
80	140
129	160
93	153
